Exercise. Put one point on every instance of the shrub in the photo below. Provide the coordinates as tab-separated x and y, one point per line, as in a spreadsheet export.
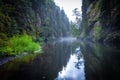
19	44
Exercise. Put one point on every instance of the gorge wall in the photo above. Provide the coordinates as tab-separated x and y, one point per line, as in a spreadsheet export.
100	20
37	18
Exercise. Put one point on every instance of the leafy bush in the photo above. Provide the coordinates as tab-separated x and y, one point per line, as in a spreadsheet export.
19	44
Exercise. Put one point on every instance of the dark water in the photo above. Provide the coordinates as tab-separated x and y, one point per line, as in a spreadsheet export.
66	61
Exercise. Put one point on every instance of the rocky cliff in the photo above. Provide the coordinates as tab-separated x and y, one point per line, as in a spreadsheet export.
101	20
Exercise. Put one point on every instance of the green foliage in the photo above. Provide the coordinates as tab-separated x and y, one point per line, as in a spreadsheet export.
4	21
3	36
39	18
74	30
18	44
41	39
8	24
97	30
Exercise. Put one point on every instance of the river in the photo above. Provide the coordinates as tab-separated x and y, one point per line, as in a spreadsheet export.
66	60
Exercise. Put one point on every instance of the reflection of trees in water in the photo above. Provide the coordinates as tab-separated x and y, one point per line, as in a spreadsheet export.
101	61
44	67
78	56
57	56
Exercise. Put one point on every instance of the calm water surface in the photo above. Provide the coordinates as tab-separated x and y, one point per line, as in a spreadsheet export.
65	60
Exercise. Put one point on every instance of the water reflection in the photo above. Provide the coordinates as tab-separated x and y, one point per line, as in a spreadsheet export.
66	61
68	39
74	70
102	62
41	67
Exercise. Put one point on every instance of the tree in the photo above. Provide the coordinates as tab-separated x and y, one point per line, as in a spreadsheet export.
74	30
77	14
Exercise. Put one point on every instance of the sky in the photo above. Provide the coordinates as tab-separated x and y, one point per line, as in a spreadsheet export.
68	6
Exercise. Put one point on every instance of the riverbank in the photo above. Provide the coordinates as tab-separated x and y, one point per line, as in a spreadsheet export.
6	59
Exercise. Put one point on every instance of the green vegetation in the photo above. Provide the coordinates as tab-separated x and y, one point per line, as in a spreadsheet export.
35	17
18	44
96	30
75	32
40	19
75	26
41	39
